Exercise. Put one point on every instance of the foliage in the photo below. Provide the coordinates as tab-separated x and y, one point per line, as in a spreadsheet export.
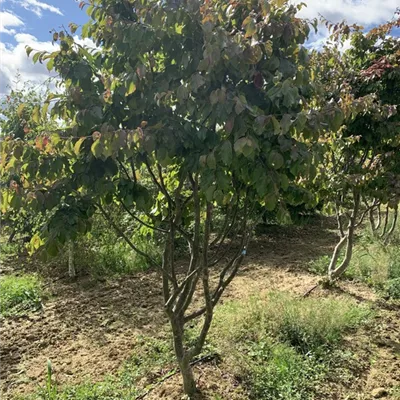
19	294
284	345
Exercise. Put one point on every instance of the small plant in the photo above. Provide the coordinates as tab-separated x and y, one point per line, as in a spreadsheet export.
20	294
50	391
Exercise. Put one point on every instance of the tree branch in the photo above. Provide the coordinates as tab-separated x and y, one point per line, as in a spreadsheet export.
127	240
140	221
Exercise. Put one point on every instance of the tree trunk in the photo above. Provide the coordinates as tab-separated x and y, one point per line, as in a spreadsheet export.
71	260
189	384
386	222
394	222
333	271
182	356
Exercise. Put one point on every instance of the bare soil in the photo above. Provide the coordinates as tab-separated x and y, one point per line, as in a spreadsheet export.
89	329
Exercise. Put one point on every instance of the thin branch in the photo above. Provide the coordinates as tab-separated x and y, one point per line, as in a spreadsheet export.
122	234
123	167
133	170
160	186
140	221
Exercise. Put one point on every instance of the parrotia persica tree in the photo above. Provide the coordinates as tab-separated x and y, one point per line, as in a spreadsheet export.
361	164
183	109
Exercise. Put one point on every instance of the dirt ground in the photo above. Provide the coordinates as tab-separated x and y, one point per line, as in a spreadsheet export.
88	330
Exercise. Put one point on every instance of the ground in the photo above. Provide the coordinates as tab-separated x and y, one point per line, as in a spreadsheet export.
89	329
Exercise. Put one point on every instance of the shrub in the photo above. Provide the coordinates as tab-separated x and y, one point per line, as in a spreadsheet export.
19	294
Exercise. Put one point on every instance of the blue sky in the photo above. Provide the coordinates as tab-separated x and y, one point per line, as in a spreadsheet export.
28	22
40	17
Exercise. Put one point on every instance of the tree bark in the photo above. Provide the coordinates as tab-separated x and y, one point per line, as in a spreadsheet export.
386	222
394	222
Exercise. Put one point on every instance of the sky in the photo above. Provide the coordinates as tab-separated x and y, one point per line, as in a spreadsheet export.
29	22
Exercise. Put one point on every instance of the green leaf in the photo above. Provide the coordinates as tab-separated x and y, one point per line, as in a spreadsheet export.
240	144
239	107
275	160
50	64
209	193
211	162
270	201
197	81
78	144
226	153
182	93
284	181
286	122
18	152
35	57
28	50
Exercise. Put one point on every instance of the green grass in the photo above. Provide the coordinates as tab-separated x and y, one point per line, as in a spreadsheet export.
20	294
283	346
8	250
374	262
280	346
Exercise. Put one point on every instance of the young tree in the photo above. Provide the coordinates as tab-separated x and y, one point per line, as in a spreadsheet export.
209	100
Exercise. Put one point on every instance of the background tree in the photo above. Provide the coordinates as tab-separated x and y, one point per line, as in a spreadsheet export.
360	167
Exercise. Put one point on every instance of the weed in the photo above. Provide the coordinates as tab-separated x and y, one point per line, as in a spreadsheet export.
19	294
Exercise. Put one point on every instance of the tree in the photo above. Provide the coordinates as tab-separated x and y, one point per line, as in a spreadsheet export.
21	120
183	109
361	159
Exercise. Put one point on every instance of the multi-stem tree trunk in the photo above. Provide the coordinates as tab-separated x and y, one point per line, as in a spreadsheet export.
346	240
179	293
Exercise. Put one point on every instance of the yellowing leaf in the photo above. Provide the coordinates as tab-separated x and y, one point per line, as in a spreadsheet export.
97	149
20	110
249	26
78	144
130	88
35	115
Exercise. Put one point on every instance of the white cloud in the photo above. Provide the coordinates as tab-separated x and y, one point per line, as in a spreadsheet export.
13	60
364	12
37	7
361	12
8	19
